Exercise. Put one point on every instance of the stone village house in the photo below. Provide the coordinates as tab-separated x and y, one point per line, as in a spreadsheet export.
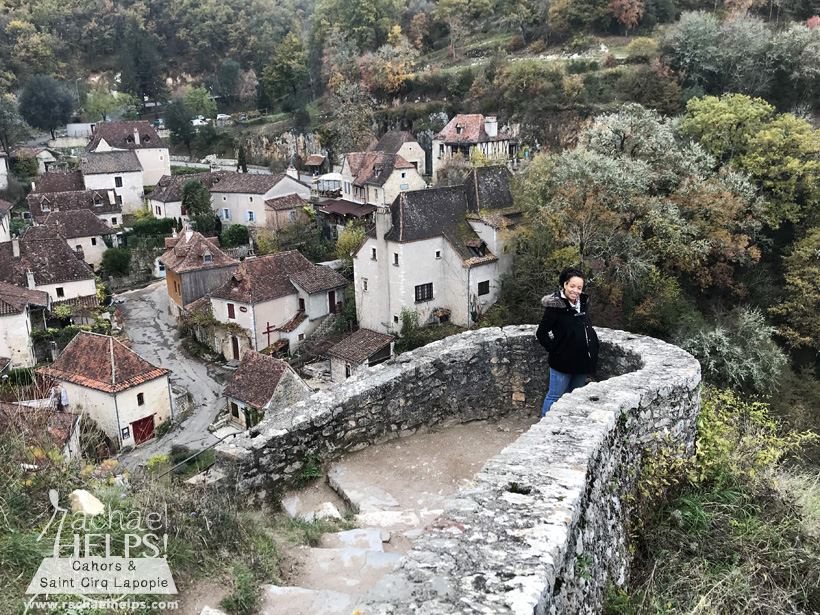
262	384
438	252
139	138
117	171
101	203
126	395
377	178
402	143
19	309
84	233
165	201
194	266
363	348
467	131
243	198
276	299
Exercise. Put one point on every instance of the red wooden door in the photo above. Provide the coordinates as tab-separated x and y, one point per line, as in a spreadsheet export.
331	297
235	347
143	429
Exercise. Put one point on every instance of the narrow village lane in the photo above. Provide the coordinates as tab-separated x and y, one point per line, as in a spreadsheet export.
155	338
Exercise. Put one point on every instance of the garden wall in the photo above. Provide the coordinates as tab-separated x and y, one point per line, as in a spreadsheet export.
543	527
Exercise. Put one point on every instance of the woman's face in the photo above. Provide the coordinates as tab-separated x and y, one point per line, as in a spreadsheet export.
573	288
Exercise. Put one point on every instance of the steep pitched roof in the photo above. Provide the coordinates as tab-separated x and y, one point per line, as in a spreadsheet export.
71	224
14	299
471	126
284	203
488	188
392	141
5	207
95	201
360	345
248	183
103	363
169	188
374	168
125	135
100	163
315	160
42	425
48	257
256	379
271	276
187	253
58	182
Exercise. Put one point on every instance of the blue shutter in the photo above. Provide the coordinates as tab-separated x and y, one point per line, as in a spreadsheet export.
246	216
229	214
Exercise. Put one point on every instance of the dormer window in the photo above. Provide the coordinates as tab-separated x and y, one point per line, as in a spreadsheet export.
129	139
146	138
46	207
207	256
477	251
459	129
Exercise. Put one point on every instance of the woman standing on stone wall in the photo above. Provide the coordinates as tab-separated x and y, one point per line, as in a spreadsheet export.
567	335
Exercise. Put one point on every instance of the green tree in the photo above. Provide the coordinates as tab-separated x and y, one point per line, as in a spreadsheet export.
178	122
349	240
13	129
198	101
799	311
139	63
208	224
351	118
226	80
196	199
366	22
116	261
100	104
234	235
46	103
287	69
241	160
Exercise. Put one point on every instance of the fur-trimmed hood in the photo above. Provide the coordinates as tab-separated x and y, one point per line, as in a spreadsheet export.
556	301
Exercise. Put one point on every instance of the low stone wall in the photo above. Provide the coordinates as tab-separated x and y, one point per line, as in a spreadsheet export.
543	527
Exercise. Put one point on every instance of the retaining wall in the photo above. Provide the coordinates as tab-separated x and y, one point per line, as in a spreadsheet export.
543	527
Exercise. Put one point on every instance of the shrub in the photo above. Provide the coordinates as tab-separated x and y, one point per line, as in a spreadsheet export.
153	227
538	46
642	49
243	599
234	235
116	261
516	44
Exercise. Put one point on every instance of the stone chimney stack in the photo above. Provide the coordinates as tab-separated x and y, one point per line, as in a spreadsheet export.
384	222
137	136
292	172
188	233
15	247
30	280
491	126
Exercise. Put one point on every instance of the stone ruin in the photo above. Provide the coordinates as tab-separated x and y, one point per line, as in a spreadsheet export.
543	528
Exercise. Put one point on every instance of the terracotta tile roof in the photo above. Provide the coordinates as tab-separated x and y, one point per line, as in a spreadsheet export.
345	208
43	425
13	299
103	363
101	163
169	187
294	323
392	141
50	260
319	278
361	345
95	201
200	306
374	168
315	160
256	379
268	277
58	182
123	135
89	301
29	152
472	130
187	253
283	203
247	183
73	224
5	207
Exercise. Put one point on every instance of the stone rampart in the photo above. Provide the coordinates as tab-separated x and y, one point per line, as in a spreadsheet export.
543	527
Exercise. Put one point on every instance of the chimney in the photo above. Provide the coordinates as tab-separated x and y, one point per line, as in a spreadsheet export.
30	280
292	172
33	187
188	233
137	136
15	247
174	234
384	222
491	126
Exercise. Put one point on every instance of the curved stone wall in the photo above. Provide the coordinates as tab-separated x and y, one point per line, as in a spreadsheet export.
543	527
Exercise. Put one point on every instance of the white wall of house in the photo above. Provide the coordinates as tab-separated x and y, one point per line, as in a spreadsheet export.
105	409
70	290
155	162
171	209
44	160
400	180
15	340
239	204
92	247
4	173
131	192
441	152
5	226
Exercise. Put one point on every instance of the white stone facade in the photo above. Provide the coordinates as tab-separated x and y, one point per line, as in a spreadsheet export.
155	161
129	194
15	339
249	209
400	180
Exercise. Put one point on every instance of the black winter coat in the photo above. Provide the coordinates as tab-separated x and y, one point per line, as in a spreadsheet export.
568	335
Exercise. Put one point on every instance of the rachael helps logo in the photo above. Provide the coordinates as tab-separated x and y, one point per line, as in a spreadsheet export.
103	551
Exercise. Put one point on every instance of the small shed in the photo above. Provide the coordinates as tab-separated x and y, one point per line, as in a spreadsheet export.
315	162
364	348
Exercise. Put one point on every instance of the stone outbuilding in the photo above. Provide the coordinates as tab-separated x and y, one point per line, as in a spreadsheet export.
405	145
262	384
126	395
364	348
20	309
194	266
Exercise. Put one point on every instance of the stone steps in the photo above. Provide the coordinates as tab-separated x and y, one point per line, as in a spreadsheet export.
300	601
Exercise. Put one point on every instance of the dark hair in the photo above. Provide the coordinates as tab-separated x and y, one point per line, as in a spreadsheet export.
568	273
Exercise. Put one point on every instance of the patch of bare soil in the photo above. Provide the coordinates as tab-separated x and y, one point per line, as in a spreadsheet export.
202	593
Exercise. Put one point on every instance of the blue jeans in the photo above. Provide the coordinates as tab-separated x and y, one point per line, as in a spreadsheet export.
561	383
